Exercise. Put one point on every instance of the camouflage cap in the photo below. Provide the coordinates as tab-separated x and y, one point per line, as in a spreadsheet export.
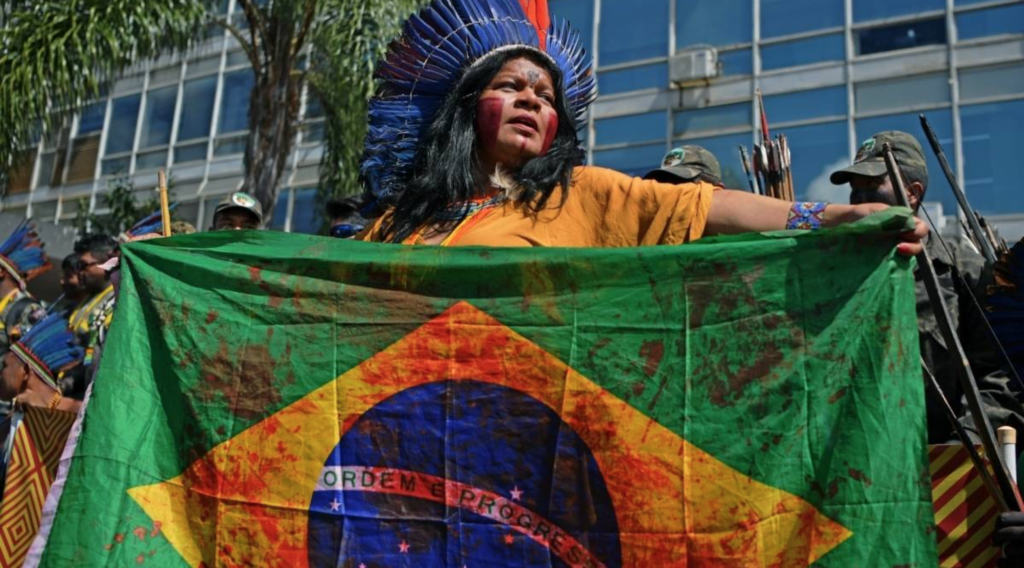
688	162
871	163
240	200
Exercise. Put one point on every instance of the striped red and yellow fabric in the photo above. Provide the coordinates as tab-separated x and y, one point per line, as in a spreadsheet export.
965	513
38	442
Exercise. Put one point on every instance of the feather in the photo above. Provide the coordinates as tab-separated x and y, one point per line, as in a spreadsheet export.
51	343
23	254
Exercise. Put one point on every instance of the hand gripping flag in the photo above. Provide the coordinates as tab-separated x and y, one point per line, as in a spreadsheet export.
288	400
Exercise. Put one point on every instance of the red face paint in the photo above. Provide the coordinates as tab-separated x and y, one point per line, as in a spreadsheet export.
488	120
549	134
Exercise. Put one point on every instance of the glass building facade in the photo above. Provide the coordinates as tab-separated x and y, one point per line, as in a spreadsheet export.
832	72
186	113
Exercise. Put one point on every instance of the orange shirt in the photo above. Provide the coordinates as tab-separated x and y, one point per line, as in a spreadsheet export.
604	209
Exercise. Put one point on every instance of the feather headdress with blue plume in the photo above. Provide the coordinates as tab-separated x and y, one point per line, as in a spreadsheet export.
435	49
22	255
152	223
48	348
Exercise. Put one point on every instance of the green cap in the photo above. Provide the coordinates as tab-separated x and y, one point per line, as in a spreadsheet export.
688	162
870	161
240	200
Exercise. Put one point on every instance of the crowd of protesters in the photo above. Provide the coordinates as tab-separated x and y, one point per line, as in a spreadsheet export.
49	351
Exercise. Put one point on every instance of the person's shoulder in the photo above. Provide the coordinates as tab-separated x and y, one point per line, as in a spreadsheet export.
960	254
966	256
582	175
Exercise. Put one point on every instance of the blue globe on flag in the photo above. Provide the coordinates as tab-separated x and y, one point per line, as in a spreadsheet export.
462	473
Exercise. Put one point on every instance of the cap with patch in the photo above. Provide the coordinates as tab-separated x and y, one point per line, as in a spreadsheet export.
870	160
240	200
688	162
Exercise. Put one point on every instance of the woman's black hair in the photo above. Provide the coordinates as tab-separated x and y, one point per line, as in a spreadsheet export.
447	169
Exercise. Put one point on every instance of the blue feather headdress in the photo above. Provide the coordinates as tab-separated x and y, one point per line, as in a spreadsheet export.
48	348
435	49
22	255
152	223
1006	304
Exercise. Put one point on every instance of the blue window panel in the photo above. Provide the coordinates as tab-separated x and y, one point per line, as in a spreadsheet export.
630	129
314	108
997	21
123	118
718	22
633	79
280	211
156	121
864	10
942	122
306	216
727	150
151	160
804	105
230	146
1000	80
190	153
234	104
197	108
635	160
687	122
901	36
92	118
900	93
803	52
784	17
312	133
580	14
817	151
738	62
992	165
116	166
632	30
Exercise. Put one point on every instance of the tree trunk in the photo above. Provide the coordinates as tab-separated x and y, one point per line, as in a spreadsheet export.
273	117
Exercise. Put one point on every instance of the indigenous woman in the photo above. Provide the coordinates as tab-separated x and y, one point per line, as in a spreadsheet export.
473	141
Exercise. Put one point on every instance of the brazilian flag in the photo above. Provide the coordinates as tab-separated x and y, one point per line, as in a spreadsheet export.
269	399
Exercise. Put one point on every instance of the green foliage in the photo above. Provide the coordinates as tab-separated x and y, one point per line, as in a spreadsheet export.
56	54
353	36
124	210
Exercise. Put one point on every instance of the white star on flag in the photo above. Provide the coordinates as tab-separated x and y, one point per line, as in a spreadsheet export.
517	493
335	505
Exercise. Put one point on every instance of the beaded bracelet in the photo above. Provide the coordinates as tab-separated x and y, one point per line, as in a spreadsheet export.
806	216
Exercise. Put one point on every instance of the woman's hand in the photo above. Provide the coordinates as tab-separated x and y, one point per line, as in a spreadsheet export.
911	242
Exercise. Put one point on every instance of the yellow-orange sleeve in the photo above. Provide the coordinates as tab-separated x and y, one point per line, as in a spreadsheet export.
609	208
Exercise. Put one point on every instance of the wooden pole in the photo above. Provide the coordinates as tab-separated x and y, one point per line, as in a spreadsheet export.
165	208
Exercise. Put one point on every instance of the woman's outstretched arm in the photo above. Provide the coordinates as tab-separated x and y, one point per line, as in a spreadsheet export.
734	211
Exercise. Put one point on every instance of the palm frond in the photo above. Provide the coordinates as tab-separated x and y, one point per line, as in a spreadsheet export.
56	54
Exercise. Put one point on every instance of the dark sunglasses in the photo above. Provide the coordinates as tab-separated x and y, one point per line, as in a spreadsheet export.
345	230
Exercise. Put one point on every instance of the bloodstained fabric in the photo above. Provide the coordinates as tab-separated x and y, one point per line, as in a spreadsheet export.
287	400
